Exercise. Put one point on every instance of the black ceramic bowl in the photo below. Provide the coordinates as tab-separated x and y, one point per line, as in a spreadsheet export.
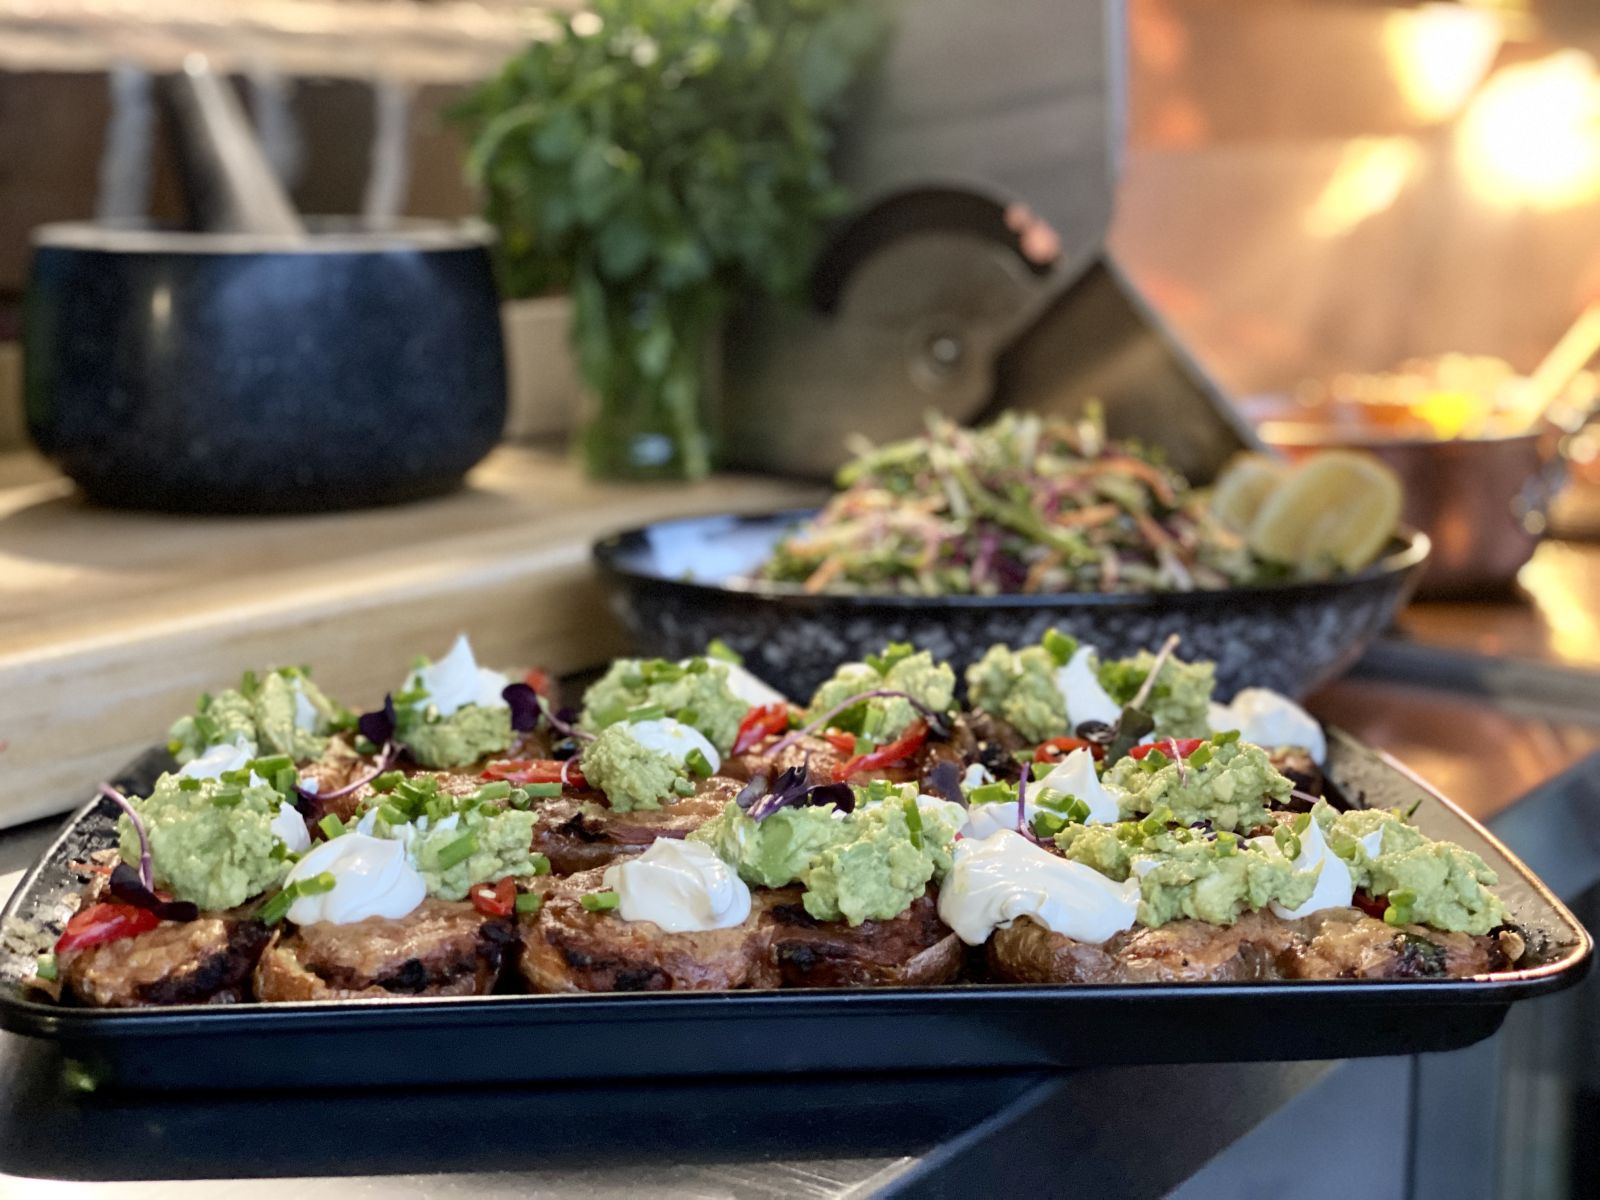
230	373
678	584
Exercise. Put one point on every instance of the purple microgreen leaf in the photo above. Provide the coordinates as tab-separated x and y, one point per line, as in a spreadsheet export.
945	780
787	789
841	795
146	869
126	886
751	792
309	803
565	721
525	707
379	727
938	722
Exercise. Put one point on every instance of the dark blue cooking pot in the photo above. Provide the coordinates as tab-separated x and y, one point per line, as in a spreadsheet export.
236	373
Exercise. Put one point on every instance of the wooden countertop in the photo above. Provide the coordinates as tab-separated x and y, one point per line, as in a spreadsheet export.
112	622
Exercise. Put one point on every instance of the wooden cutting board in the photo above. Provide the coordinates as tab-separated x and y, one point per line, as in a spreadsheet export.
111	623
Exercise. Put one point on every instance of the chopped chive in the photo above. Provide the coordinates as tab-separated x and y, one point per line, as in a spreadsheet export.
539	863
227	797
1060	646
685	716
1200	755
458	851
388	781
645	712
271	765
913	820
275	909
542	791
499	789
241	776
1047	824
528	902
46	968
390	815
599	901
286	780
1225	737
331	826
187	784
717	648
316	885
1287	841
696	761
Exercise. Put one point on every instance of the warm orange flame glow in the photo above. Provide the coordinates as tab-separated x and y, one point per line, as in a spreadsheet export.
1439	53
1368	180
1532	135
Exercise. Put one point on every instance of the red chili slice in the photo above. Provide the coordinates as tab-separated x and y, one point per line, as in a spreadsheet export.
1184	746
1373	906
1055	749
844	743
536	770
102	923
760	722
495	899
907	745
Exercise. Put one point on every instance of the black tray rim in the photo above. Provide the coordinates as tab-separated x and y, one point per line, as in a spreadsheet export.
1406	555
37	1019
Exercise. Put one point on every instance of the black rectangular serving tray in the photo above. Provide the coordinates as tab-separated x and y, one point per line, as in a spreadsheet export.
460	1040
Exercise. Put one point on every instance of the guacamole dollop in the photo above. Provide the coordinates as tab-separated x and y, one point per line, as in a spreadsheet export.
1019	686
1185	873
1226	782
899	668
695	692
867	865
283	712
1180	700
211	842
776	851
470	733
478	844
1426	882
632	775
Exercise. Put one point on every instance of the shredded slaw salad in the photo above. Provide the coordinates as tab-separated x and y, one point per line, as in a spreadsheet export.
1027	504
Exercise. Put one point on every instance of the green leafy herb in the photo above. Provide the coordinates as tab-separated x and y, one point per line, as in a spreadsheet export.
655	159
599	901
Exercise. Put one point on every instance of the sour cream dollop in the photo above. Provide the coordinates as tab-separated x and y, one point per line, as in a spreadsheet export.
372	878
289	827
1075	776
218	759
675	740
306	715
1335	888
456	680
683	887
1268	718
750	688
1004	876
1081	692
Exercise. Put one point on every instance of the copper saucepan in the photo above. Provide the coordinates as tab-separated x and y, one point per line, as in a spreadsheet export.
1483	501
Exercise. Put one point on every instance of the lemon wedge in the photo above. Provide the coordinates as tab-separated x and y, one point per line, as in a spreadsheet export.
1243	486
1339	507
